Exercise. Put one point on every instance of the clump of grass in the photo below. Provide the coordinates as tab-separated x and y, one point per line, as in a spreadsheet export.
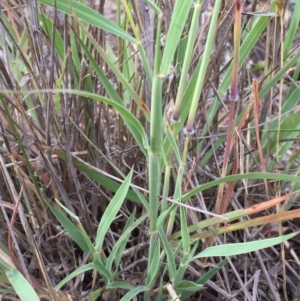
116	183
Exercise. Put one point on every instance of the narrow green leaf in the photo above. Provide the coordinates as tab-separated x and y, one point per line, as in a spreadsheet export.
289	63
292	29
104	80
81	228
174	144
184	231
153	6
47	25
204	278
254	175
23	289
96	295
122	239
121	247
90	16
102	270
121	285
111	212
80	270
184	263
204	65
134	292
212	272
169	252
70	228
188	286
178	21
242	248
133	123
96	175
114	68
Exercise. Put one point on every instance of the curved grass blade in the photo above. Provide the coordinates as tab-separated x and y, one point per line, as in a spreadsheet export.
89	15
169	252
242	248
188	286
207	276
23	289
131	294
47	25
102	270
254	175
234	215
80	270
120	285
95	174
123	237
178	20
116	253
111	212
72	230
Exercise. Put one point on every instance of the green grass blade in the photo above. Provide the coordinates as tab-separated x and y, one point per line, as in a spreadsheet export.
121	247
131	294
174	144
116	253
23	289
188	286
204	64
96	175
111	212
254	175
293	27
120	285
102	270
47	25
80	270
131	121
289	63
72	230
178	21
169	252
133	194
104	80
207	276
242	248
113	67
122	238
90	16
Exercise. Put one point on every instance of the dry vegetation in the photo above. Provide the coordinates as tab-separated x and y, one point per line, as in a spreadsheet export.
97	140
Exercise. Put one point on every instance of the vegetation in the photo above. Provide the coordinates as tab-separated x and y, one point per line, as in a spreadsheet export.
149	157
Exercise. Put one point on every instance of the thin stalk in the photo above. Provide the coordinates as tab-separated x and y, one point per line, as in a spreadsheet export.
181	90
233	96
142	52
202	71
183	221
280	4
178	186
155	148
165	194
187	61
179	98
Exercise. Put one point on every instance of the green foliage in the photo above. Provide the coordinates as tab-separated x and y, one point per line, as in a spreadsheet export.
127	132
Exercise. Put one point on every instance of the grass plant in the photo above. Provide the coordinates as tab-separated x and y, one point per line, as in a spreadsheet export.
137	167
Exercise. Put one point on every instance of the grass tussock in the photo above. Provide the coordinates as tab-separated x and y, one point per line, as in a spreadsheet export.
149	150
